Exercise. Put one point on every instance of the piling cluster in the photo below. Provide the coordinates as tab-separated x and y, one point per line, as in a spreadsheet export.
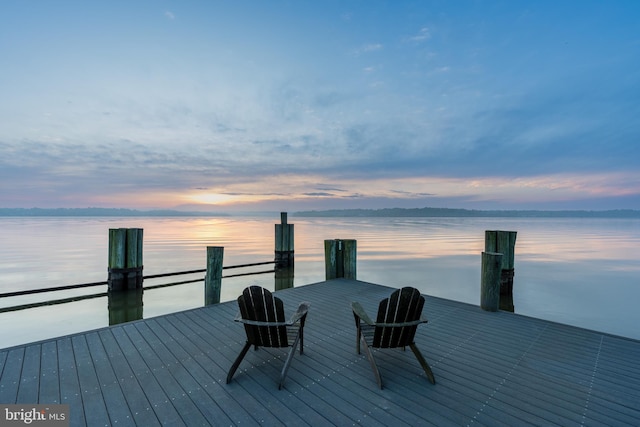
496	287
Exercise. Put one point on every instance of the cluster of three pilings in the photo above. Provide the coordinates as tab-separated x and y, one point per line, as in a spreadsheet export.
498	258
125	277
125	259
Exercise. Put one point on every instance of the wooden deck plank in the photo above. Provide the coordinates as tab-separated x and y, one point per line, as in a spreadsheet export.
30	375
516	379
70	392
93	402
126	380
412	376
112	393
510	376
49	378
494	369
158	400
312	378
206	387
10	380
177	396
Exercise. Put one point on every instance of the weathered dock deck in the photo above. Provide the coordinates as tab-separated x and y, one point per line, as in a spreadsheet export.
491	369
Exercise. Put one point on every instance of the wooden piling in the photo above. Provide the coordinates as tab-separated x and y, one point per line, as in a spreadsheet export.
340	259
332	260
503	242
213	277
490	281
349	259
117	247
134	247
125	259
284	250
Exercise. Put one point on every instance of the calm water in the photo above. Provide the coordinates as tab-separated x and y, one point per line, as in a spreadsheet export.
584	272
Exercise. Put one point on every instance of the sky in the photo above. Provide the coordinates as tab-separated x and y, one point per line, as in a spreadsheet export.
308	105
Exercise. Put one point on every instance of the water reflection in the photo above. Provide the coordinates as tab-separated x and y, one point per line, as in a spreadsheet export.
284	278
577	271
125	306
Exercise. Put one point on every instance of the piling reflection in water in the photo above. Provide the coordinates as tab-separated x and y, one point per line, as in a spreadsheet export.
125	306
284	277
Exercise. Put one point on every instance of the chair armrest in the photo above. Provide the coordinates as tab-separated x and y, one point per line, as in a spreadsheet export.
303	308
361	314
300	313
400	325
259	323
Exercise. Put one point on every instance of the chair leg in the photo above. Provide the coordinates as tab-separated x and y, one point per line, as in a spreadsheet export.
372	361
301	332
287	362
358	335
235	365
423	362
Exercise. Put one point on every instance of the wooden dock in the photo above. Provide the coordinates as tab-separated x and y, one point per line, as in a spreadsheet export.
493	369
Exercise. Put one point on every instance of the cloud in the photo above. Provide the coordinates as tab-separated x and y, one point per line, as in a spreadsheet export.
318	194
169	15
368	48
371	47
329	188
411	194
423	35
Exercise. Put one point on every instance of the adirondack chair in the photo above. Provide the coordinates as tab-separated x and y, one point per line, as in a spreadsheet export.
396	325
264	323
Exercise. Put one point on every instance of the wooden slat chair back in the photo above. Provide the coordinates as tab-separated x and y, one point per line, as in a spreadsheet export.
395	326
262	315
404	305
258	304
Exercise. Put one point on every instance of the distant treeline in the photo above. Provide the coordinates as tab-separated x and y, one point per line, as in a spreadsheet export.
469	213
99	212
